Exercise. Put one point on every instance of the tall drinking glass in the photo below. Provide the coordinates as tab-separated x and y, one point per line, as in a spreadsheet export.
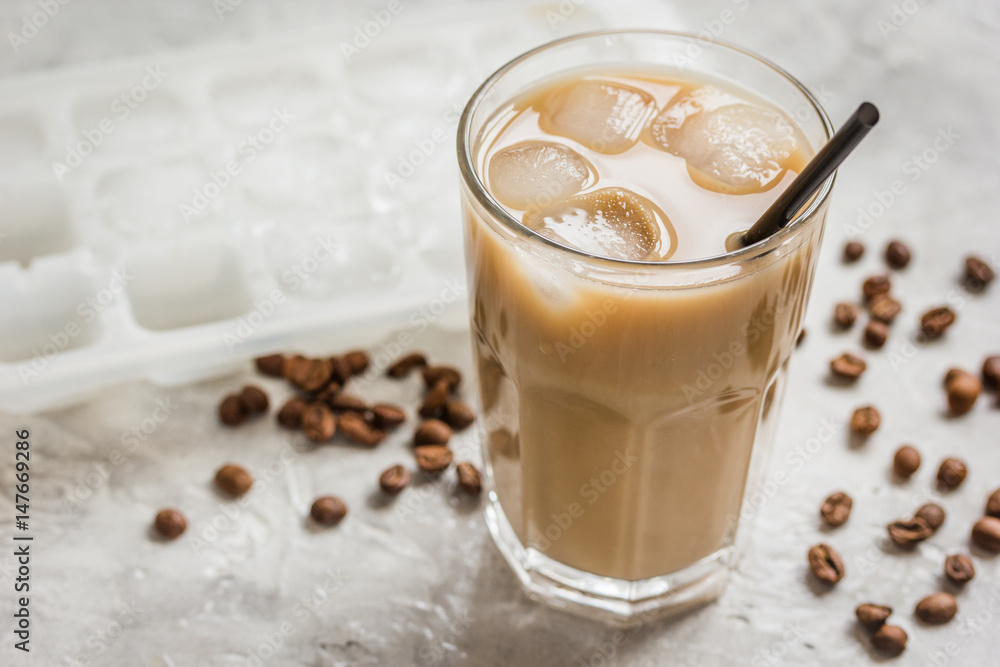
626	403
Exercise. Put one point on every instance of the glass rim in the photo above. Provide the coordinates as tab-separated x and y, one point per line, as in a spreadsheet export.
472	178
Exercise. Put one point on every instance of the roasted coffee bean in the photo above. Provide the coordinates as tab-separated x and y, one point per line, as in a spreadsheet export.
962	389
951	374
432	432
885	309
890	640
233	480
848	366
978	274
844	314
908	533
853	251
959	569
935	321
292	364
328	510
254	400
951	473
932	514
309	374
836	509
405	364
825	564
342	370
290	414
876	285
170	523
232	412
865	420
897	255
872	615
469	479
433	458
986	533
358	360
387	416
936	608
356	428
318	422
993	504
876	333
328	393
344	402
394	479
434	400
906	461
458	414
272	365
447	374
991	373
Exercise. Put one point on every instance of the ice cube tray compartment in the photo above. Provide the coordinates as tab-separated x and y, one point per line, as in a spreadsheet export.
248	99
189	282
316	262
35	214
319	172
143	199
22	140
159	120
160	206
48	312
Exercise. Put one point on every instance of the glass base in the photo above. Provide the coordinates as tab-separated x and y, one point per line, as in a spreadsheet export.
615	600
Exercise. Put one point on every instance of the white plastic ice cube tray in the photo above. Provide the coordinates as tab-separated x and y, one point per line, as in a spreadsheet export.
215	204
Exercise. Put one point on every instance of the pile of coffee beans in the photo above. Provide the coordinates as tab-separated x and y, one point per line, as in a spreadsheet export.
962	389
323	410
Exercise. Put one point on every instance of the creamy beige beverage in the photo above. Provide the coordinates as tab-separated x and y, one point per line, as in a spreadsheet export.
622	401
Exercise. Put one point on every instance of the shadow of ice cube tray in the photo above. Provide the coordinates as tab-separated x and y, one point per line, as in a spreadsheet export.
168	217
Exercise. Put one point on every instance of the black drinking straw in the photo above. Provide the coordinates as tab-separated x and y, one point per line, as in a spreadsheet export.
805	185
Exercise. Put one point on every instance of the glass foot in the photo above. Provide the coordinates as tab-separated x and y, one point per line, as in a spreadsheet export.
615	600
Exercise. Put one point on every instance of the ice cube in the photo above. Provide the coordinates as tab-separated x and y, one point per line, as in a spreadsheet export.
604	116
688	101
533	174
736	148
613	222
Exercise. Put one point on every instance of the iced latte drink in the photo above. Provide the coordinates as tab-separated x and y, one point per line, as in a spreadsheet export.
630	353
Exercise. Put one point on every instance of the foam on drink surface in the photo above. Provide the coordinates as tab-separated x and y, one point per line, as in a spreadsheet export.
640	167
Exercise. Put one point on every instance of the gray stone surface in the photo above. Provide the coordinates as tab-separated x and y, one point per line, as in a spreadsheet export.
418	581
